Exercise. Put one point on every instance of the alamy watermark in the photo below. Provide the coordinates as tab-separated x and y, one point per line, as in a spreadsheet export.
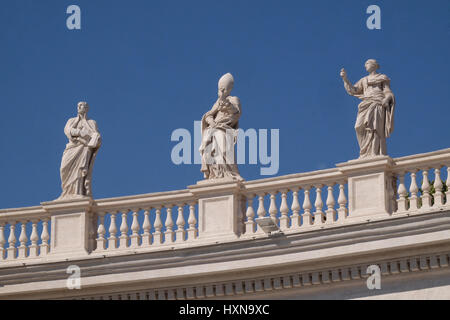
74	280
73	22
258	146
374	280
374	20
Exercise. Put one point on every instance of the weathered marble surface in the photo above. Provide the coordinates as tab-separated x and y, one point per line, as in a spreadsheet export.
219	134
79	156
375	120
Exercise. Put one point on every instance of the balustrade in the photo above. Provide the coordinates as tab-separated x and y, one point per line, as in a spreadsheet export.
149	227
432	194
291	217
20	238
295	203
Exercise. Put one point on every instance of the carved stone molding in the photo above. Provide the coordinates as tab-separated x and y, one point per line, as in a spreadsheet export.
251	286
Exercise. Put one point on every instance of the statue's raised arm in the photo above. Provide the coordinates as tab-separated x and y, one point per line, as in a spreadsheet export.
353	90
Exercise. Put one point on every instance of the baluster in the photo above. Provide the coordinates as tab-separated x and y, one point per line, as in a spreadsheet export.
447	183
284	209
169	235
123	239
307	217
135	230
438	194
318	204
12	241
23	239
296	220
101	231
273	207
112	240
2	241
250	226
241	218
146	226
34	238
180	233
261	210
158	236
93	218
392	190
426	197
402	203
192	231
342	201
413	189
45	237
330	205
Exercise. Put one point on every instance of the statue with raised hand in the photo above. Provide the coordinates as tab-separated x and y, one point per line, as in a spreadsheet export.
375	119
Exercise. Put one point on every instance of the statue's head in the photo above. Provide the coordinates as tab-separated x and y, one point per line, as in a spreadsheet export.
372	65
83	107
225	85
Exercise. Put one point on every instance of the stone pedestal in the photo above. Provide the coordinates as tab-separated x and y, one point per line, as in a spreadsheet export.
220	209
72	226
370	189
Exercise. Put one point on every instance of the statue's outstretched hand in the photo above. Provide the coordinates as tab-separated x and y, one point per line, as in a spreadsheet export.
343	74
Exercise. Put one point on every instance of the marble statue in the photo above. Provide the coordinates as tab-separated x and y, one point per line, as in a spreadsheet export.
375	120
79	156
219	134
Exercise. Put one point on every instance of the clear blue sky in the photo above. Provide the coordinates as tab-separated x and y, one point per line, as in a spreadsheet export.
149	67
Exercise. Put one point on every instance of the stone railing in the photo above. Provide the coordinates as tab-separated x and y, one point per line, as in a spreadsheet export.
427	194
29	244
207	213
145	221
292	190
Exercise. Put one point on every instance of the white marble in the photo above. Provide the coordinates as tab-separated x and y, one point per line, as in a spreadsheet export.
219	134
79	156
317	252
375	119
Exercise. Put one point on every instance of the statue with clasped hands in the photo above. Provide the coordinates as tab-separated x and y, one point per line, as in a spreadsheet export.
79	156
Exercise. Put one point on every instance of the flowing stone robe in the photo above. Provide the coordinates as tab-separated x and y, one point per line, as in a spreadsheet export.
374	123
218	140
78	158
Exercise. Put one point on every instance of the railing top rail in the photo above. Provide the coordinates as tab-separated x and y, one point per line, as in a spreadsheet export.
423	160
296	180
144	201
26	212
